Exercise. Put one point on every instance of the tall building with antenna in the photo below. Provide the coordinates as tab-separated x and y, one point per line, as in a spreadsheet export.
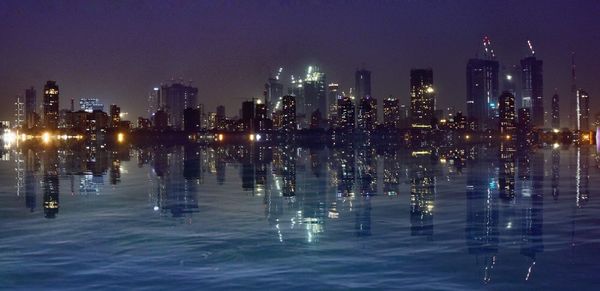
532	80
482	88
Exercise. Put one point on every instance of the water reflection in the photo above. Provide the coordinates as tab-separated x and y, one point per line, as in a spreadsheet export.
308	194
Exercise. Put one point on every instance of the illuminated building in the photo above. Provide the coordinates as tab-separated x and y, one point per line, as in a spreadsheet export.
555	111
30	108
362	85
212	120
315	92
533	89
288	113
153	101
524	124
507	120
333	92
482	92
50	105
174	99
367	113
144	123
391	112
115	116
273	91
296	89
262	121
583	110
422	98
90	104
345	113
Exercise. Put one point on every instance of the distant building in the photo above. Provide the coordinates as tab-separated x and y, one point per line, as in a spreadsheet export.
346	114
50	105
391	112
191	120
315	88
333	92
153	101
367	113
31	116
533	89
583	110
362	84
273	92
555	111
161	120
174	99
507	120
115	116
90	104
422	98
248	115
144	123
524	122
220	117
288	113
482	92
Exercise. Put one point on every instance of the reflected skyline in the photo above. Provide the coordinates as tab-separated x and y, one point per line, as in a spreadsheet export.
312	196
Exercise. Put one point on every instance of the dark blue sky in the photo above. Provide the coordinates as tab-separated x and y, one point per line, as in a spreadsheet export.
119	50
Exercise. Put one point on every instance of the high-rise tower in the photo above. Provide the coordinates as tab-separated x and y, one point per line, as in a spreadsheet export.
422	97
533	87
50	105
482	92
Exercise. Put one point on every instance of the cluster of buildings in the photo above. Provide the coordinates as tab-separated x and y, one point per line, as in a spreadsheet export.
89	118
499	99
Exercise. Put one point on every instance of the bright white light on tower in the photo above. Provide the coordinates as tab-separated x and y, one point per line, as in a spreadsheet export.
509	77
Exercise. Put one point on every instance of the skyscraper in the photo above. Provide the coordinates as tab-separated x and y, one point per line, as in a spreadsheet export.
273	91
315	87
391	112
367	113
422	97
30	108
345	113
174	99
533	89
507	120
362	84
50	106
288	113
153	100
482	92
555	111
115	115
333	92
583	110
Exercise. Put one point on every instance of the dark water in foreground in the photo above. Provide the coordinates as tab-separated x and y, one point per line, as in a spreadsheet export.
288	218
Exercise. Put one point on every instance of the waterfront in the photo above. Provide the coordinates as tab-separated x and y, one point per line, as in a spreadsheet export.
241	217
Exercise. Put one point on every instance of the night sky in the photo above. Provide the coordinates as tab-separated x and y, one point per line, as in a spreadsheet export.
119	50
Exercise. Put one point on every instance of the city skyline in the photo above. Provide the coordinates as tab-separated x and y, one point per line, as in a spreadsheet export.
90	68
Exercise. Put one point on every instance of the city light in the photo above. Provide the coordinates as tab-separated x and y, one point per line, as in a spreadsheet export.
46	137
120	137
220	137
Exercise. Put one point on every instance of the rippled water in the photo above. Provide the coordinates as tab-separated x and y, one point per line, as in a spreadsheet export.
291	218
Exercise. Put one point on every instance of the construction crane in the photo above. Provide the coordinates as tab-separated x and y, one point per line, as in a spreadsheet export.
487	47
530	47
